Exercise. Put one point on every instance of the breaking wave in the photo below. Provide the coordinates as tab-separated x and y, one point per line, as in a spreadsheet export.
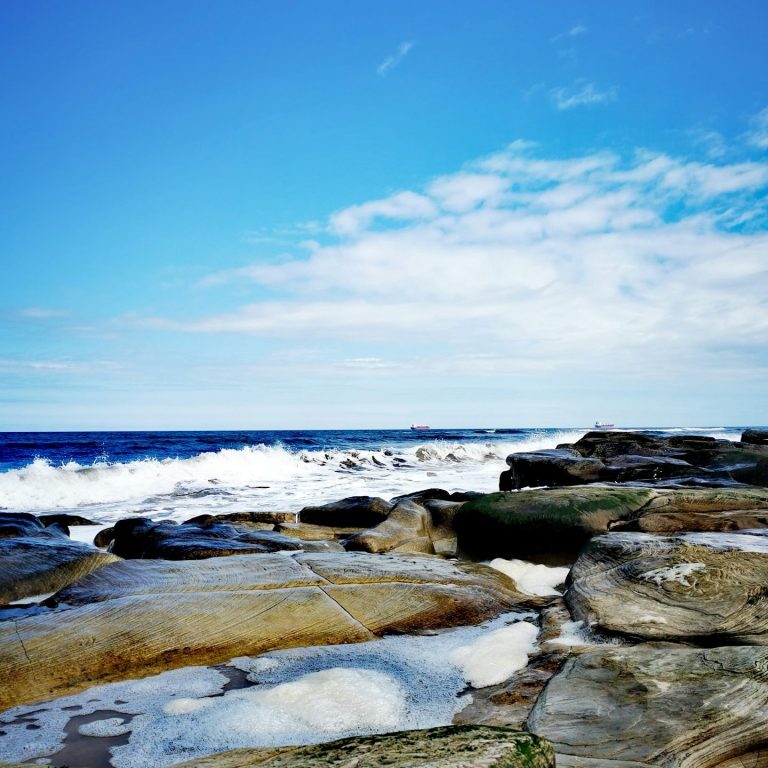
261	477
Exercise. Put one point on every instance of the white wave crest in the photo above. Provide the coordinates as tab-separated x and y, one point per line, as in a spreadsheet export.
259	477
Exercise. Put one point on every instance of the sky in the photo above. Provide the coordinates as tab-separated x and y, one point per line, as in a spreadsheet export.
292	214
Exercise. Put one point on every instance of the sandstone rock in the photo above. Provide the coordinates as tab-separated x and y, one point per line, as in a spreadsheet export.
411	527
436	494
309	532
693	587
557	520
353	512
657	705
35	560
405	528
702	509
140	537
139	617
447	747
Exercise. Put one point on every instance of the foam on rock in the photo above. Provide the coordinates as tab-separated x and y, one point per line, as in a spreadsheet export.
531	578
299	696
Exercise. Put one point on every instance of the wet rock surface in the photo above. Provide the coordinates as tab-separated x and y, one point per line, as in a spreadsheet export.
446	747
35	560
144	538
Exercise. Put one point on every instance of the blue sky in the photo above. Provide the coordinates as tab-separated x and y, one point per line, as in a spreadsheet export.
339	215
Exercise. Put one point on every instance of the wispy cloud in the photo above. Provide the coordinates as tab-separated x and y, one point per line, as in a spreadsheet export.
582	93
758	134
593	262
395	59
574	31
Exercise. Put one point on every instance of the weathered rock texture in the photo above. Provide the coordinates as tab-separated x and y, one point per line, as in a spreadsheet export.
35	560
657	705
447	747
140	537
562	520
694	587
140	617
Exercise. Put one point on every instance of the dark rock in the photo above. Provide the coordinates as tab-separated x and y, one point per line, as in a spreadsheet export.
353	512
755	436
551	467
437	494
253	518
143	538
104	538
35	560
64	519
548	521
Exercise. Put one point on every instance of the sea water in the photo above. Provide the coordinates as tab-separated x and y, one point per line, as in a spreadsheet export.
175	475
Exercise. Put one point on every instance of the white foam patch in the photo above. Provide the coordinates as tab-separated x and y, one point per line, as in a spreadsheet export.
574	633
301	696
676	574
32	599
532	578
743	541
495	657
111	726
85	533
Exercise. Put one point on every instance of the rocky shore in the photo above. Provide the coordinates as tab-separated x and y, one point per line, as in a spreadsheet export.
607	608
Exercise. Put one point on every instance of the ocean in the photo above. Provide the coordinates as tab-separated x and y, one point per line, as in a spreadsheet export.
106	476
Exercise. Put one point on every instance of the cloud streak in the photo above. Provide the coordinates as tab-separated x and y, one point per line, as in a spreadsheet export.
582	94
395	59
648	264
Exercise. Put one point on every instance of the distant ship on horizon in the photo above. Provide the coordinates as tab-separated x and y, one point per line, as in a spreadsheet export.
601	425
420	426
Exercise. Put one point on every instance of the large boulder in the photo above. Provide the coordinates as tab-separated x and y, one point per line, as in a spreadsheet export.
549	467
657	705
139	617
140	537
697	587
353	512
35	560
412	527
453	746
755	436
552	521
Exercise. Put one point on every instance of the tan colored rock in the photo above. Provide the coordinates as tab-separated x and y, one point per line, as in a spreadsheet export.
133	619
689	587
447	747
657	705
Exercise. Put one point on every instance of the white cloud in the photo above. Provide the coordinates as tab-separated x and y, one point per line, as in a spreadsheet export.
758	134
524	263
395	59
581	94
574	31
403	206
